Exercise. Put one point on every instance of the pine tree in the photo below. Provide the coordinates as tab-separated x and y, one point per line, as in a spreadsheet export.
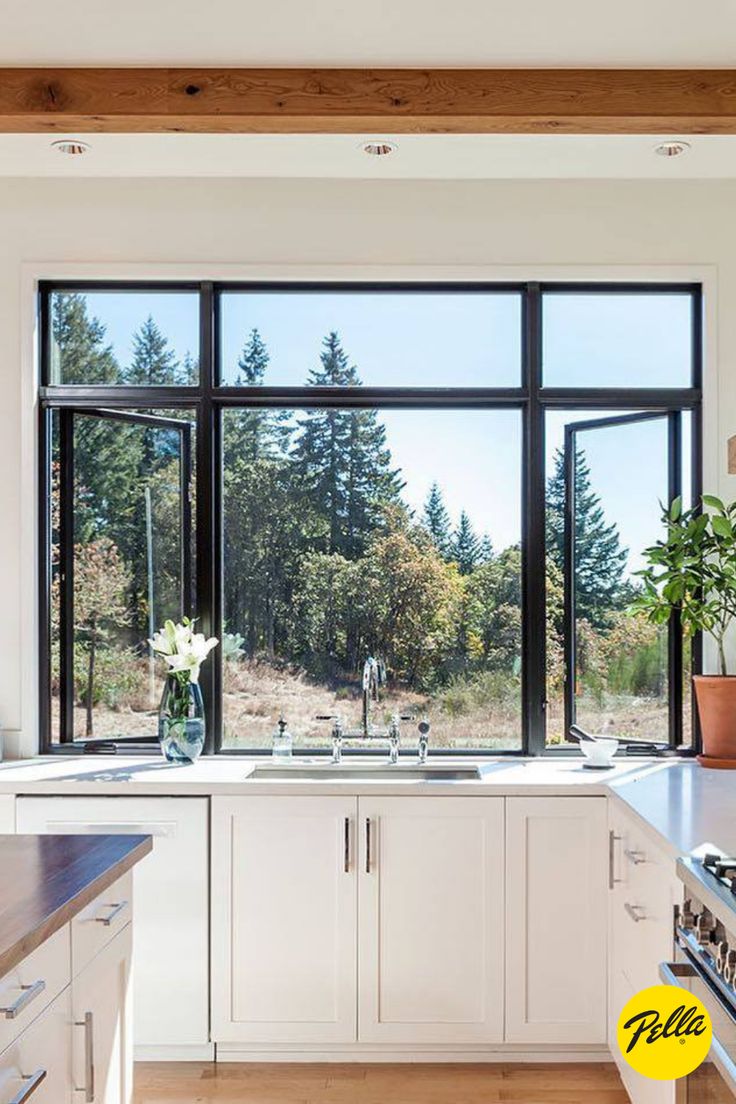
256	434
600	560
79	352
342	460
436	521
154	364
466	550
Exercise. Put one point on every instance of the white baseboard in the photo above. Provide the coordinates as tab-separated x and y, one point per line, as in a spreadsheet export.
230	1052
193	1052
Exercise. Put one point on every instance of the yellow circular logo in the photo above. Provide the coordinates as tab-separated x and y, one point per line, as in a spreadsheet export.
664	1032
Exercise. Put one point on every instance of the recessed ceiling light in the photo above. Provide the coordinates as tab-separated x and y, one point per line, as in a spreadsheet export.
378	148
671	149
72	146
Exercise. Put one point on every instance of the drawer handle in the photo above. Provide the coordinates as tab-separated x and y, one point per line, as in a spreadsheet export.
367	845
28	994
612	841
636	912
31	1084
346	847
635	857
89	1057
116	909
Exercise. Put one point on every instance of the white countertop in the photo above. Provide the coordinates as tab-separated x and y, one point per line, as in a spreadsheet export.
684	803
150	776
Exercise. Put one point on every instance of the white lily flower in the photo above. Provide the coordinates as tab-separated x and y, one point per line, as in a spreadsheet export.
183	649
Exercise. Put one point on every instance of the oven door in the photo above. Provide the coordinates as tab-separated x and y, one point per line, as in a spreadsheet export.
715	1081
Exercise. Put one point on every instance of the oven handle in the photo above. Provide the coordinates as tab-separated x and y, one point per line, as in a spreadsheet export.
670	972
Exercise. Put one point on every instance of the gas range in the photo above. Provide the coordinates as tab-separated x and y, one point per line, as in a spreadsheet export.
705	965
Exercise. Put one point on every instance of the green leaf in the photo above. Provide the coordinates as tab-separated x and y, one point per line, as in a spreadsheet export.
676	508
721	526
714	503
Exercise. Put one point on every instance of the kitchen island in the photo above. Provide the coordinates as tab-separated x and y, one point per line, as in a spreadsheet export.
65	949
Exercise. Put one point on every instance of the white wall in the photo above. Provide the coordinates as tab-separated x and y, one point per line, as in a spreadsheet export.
46	226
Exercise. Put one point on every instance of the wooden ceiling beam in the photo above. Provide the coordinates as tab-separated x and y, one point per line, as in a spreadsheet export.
340	101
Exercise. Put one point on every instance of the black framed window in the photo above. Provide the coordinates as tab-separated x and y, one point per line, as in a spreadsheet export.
459	478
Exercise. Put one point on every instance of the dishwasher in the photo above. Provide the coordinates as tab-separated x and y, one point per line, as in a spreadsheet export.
171	902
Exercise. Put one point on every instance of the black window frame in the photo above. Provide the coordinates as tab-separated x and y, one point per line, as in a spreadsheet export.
208	398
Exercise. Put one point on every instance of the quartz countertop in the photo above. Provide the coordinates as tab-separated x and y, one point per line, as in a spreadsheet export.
684	803
150	776
46	880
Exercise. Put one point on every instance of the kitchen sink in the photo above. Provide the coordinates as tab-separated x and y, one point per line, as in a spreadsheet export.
368	772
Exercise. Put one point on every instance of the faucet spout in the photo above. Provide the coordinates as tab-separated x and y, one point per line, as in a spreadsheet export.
372	678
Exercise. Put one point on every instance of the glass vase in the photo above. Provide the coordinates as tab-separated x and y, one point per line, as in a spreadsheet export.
181	726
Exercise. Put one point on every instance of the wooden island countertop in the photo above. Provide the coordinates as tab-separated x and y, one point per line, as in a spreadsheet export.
47	880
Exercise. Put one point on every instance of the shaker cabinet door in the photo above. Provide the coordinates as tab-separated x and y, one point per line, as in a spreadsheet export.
283	919
431	919
556	919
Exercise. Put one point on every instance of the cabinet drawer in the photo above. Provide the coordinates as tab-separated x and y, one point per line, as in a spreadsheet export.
37	1065
95	926
33	984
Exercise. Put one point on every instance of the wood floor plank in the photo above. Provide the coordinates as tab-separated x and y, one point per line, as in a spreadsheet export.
353	1083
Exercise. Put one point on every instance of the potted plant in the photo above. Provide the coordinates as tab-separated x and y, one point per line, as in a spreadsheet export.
692	571
181	720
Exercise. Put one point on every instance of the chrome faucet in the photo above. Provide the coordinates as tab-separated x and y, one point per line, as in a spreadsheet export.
374	676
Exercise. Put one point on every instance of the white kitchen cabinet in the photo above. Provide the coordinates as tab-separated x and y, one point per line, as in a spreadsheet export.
284	919
172	921
556	926
431	901
38	1062
102	1011
643	891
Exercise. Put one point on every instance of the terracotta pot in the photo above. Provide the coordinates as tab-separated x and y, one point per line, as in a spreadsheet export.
716	698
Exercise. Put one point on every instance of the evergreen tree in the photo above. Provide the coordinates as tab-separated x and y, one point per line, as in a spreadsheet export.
342	461
466	548
154	364
255	434
436	521
79	352
600	560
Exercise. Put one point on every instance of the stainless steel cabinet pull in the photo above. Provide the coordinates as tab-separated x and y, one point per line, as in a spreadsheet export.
367	845
346	847
28	994
636	912
88	1089
635	857
612	841
32	1081
117	908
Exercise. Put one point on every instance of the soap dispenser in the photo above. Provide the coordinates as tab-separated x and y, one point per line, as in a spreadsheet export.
282	743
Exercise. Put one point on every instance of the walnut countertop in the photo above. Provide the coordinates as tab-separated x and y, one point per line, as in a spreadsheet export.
47	880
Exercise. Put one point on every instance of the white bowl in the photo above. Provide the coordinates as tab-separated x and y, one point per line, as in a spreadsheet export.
601	752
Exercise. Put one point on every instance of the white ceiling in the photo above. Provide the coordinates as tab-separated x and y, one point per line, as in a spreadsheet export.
369	32
473	157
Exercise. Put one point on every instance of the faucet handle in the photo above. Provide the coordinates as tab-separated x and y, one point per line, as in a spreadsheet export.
424	727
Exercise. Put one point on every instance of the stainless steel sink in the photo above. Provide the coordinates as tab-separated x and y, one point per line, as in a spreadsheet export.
369	772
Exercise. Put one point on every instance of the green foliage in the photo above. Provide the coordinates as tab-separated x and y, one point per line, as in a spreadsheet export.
154	364
600	561
341	461
436	521
465	548
79	352
692	571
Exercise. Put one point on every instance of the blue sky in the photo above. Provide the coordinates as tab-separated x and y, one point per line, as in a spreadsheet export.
462	340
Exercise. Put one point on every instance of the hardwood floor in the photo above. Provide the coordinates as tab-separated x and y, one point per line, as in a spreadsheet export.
197	1083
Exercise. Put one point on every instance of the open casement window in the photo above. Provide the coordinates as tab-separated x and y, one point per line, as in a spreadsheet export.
124	563
619	473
